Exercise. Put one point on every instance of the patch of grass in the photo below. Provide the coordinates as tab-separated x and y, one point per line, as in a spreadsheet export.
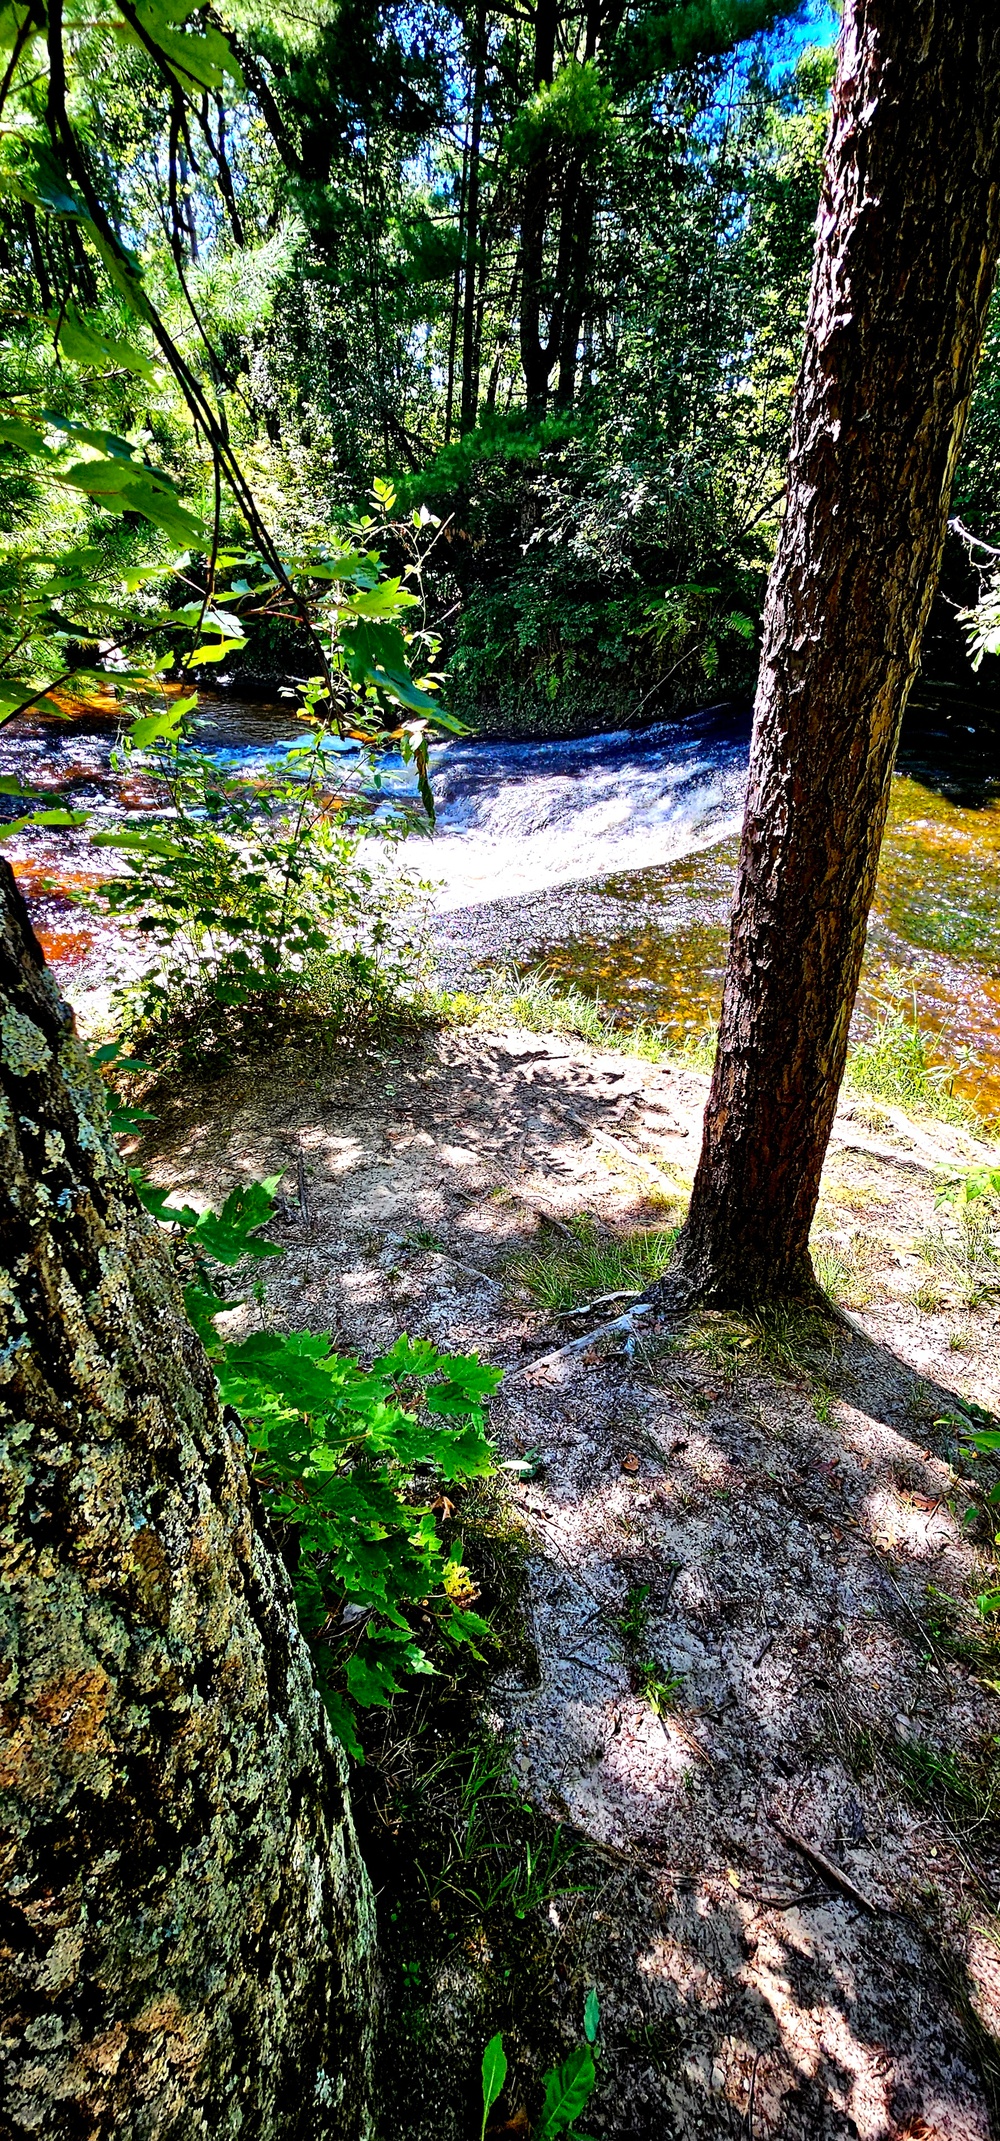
953	1628
795	1339
928	1298
833	1272
853	1197
843	1268
824	1400
490	1859
723	1343
892	1061
541	1004
964	1787
565	1274
697	1051
966	1253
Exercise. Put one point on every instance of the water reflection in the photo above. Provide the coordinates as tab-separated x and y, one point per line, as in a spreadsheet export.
936	919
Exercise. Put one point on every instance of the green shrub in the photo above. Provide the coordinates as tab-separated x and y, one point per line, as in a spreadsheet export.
350	1463
337	1451
257	902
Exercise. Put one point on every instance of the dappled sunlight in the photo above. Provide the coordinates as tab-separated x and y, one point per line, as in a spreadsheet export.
737	1535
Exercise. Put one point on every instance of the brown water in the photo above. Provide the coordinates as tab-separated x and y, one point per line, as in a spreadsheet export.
935	920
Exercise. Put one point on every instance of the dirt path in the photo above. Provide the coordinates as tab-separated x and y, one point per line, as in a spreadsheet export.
770	1514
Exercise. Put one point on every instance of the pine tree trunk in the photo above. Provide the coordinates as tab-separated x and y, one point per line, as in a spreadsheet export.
907	240
186	1936
470	338
536	356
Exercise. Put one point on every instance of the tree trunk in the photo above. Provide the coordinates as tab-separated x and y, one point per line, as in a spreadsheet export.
470	339
907	240
186	1939
536	355
583	207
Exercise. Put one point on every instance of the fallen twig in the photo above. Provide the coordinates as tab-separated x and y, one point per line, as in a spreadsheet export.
472	1269
579	1345
834	1874
603	1672
626	1293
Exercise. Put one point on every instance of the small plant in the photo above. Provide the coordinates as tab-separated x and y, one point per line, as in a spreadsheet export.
660	1693
978	1433
660	1689
966	1249
842	1269
633	1623
568	2087
928	1298
487	1861
257	902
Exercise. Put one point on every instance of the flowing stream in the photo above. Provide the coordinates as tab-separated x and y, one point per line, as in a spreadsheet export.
607	861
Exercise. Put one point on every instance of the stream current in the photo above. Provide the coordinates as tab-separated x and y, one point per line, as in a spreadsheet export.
607	860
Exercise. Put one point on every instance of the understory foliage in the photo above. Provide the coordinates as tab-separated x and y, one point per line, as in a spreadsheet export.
567	2088
352	1463
258	903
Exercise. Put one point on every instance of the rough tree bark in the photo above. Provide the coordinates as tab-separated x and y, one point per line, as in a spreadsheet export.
907	241
186	1926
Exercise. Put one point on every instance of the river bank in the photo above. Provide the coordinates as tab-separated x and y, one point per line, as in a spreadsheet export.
747	1629
606	862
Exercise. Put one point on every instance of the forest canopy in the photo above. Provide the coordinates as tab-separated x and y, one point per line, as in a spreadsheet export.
543	268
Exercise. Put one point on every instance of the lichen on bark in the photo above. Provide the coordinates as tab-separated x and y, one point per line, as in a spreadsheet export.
186	1945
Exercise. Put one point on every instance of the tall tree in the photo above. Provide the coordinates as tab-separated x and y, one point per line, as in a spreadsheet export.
186	1942
907	242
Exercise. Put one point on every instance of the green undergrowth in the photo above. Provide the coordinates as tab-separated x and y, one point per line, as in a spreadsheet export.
408	1570
595	1262
353	1463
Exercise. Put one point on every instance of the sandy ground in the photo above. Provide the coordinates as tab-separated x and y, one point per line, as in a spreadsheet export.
794	1516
